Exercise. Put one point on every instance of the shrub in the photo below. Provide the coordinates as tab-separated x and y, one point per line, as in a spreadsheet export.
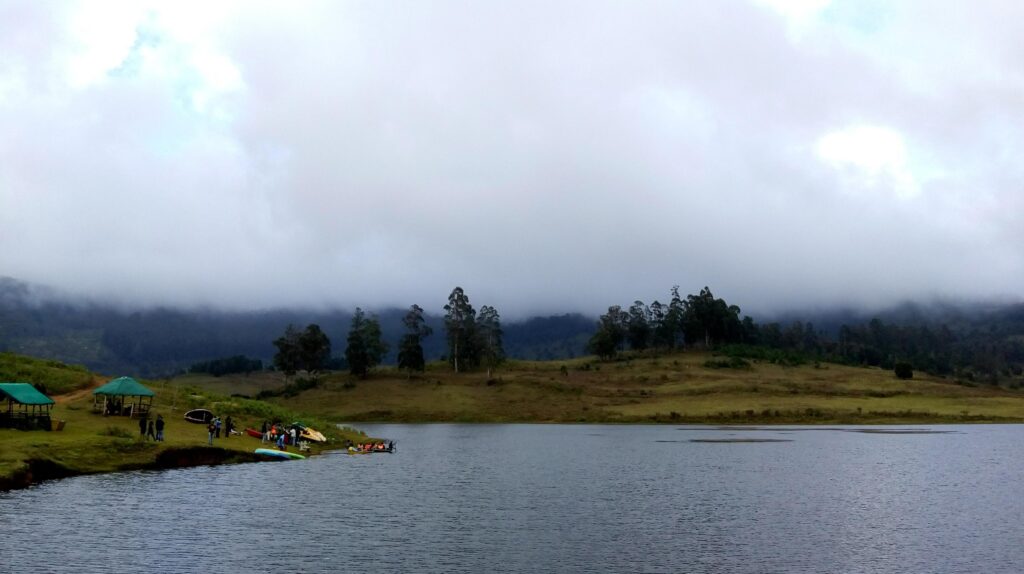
903	370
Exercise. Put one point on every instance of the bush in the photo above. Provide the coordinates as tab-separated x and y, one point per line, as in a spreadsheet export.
903	370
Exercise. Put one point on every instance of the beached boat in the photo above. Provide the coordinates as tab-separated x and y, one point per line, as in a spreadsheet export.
310	434
199	416
253	433
278	454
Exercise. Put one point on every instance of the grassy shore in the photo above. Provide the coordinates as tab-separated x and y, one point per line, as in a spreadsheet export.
675	388
93	443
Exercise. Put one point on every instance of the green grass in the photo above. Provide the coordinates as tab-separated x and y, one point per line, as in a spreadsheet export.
91	442
56	377
685	387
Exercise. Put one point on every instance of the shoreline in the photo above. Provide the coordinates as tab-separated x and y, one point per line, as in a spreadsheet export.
39	470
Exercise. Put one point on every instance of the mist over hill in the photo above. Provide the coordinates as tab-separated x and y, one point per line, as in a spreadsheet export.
152	342
160	341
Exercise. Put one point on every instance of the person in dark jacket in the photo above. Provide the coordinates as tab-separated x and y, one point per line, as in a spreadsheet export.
142	426
151	431
160	428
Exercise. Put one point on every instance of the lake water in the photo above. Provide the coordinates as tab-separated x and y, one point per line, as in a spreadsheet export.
547	498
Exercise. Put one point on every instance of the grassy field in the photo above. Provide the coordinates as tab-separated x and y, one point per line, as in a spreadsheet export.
93	443
675	388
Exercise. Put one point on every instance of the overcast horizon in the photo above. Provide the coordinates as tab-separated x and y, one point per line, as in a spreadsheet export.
548	157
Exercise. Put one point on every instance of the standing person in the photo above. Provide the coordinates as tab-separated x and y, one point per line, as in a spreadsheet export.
142	426
211	428
160	428
264	432
228	426
294	435
150	431
216	426
280	441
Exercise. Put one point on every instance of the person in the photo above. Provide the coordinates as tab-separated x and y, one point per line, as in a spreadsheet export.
216	427
142	426
228	425
160	428
294	436
150	431
280	441
264	432
211	428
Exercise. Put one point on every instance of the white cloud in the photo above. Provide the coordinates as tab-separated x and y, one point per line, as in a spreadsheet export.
870	157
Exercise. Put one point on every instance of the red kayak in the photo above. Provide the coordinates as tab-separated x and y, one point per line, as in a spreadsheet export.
254	433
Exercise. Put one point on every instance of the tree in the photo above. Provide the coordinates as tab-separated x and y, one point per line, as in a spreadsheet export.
365	349
610	334
709	320
314	349
904	370
288	358
307	350
638	329
489	333
410	349
460	325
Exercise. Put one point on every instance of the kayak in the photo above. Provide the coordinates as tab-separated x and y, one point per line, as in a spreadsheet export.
279	453
254	433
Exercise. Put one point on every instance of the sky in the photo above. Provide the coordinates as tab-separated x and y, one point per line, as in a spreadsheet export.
545	156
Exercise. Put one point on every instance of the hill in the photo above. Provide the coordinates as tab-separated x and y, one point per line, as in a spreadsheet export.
690	387
159	342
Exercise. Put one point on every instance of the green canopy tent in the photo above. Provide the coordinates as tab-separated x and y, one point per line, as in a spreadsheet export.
124	397
32	410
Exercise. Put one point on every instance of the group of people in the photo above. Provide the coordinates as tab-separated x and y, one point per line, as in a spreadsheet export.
215	425
280	435
387	446
150	429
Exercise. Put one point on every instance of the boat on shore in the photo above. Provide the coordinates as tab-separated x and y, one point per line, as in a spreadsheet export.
279	454
253	433
199	416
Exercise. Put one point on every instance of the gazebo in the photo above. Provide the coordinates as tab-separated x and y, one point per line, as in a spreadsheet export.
32	410
123	396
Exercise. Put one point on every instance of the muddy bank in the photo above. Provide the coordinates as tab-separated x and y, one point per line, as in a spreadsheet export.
40	470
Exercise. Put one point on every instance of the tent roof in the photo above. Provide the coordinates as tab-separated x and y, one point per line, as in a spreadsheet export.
24	393
126	386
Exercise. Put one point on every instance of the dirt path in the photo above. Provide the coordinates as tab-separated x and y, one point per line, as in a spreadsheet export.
75	395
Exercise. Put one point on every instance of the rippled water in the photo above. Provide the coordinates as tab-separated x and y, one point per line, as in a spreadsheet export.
540	498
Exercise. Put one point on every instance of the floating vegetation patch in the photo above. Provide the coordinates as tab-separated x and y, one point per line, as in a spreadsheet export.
901	431
740	440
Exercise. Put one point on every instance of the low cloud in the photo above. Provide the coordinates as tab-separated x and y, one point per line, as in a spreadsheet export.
545	156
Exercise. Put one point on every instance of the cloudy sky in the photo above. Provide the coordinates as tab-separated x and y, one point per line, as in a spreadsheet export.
546	156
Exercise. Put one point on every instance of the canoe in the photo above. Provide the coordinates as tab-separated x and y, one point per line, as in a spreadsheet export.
199	416
254	433
279	453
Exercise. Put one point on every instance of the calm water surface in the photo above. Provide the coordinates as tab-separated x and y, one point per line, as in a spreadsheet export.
540	498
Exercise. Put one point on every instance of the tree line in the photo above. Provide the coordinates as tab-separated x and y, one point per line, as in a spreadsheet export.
985	347
474	341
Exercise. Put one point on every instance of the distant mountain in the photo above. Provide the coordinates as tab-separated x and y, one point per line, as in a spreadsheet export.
162	341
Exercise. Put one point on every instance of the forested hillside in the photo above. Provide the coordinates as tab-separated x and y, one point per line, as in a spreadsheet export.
983	343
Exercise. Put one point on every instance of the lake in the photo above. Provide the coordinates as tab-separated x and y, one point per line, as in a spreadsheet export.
555	498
